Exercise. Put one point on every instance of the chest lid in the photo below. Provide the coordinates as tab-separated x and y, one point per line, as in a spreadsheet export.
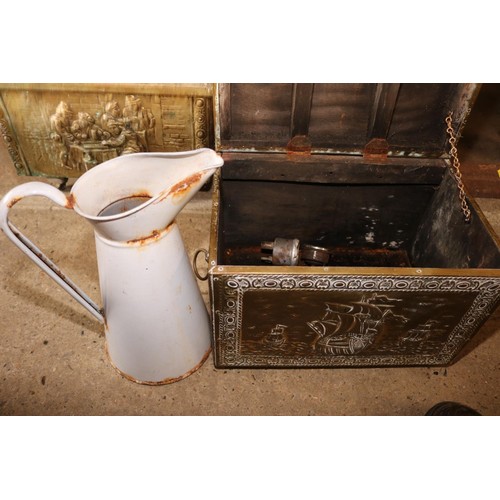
392	119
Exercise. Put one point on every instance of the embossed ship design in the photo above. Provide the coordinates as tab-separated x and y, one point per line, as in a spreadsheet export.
276	337
422	332
348	329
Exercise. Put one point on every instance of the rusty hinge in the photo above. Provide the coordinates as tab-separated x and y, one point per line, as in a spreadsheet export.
300	145
376	150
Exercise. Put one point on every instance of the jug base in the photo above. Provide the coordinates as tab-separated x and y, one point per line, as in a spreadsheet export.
159	382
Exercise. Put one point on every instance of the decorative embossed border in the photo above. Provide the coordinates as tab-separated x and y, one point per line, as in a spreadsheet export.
230	290
7	134
201	122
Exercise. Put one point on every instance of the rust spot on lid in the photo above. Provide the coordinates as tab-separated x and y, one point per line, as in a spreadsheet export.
299	145
376	150
70	201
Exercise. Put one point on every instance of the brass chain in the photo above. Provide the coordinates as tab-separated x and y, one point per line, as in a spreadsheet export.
455	170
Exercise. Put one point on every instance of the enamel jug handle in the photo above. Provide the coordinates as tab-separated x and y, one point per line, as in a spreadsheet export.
40	189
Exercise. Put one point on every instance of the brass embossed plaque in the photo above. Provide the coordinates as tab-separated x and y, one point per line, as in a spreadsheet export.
334	320
63	130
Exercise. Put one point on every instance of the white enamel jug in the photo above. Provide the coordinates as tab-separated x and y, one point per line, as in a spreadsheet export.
156	323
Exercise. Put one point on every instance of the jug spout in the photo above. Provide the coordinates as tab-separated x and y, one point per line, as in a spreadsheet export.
135	196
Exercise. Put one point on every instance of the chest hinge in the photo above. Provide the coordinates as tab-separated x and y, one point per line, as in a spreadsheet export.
376	150
299	144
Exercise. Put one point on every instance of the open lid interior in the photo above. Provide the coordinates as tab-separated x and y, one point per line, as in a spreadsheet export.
392	119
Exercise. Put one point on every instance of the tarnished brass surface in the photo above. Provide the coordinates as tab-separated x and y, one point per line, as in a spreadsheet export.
62	130
343	316
339	320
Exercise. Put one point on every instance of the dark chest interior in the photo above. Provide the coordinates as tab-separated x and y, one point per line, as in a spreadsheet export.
360	170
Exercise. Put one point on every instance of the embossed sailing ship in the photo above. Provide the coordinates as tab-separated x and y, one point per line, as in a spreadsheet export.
348	329
422	332
276	337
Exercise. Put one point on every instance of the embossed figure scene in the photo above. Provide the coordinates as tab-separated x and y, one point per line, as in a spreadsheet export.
348	324
87	140
65	131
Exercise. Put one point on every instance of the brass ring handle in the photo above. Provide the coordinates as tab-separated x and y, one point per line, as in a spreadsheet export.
195	265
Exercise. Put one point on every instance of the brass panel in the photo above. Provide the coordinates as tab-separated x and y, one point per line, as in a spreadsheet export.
334	320
62	130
